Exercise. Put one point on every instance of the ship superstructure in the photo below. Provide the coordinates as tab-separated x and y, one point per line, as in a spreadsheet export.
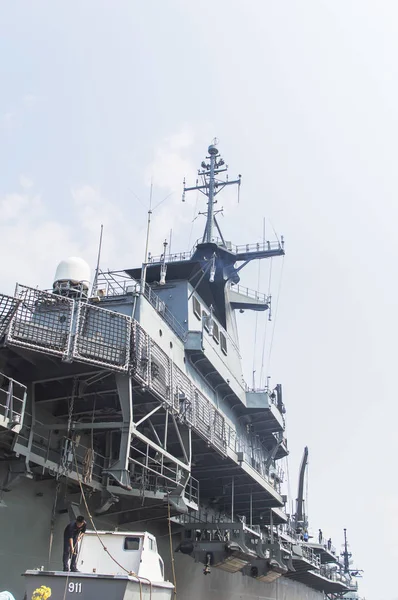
133	388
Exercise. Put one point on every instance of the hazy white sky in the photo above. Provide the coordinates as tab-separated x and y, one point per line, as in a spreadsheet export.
98	97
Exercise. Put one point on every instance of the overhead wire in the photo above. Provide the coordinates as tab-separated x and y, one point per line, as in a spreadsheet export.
193	220
265	328
256	318
255	328
276	314
171	548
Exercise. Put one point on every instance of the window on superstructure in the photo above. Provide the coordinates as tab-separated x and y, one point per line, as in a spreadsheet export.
197	308
216	332
132	543
223	342
205	321
152	544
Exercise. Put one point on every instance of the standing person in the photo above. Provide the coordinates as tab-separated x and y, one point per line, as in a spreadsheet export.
320	536
72	535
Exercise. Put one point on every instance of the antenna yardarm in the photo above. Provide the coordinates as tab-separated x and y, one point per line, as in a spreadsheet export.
209	184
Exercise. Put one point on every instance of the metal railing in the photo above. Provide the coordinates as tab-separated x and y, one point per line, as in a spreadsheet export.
57	453
84	332
102	337
117	283
252	294
164	312
12	401
259	247
175	257
42	321
310	555
266	246
8	307
338	576
327	544
255	455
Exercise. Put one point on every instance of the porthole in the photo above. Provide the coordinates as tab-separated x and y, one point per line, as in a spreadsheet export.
171	344
160	332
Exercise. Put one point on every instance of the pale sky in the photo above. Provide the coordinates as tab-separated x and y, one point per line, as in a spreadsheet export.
99	97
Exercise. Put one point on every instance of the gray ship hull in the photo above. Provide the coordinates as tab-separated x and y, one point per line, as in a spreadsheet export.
25	537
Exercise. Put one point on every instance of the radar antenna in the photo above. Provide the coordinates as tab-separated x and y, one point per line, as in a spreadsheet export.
210	185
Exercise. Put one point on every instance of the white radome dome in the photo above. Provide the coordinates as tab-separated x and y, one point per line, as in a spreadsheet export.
74	270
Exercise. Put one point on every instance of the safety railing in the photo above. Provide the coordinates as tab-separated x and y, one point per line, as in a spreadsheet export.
164	312
192	491
59	453
338	576
115	283
326	543
252	294
8	307
149	471
102	337
310	555
85	332
259	247
42	321
175	257
12	402
265	246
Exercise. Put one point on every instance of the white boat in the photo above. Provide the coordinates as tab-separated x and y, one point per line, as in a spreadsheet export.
129	569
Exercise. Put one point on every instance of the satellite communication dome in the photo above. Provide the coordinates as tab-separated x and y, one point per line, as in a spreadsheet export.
74	271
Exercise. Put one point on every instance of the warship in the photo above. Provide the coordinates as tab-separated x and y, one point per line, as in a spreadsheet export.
122	398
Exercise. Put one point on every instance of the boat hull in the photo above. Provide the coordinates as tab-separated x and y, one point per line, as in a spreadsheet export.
67	586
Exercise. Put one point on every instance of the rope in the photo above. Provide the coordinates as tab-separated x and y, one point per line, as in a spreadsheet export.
129	572
72	403
52	522
63	467
68	575
171	549
88	465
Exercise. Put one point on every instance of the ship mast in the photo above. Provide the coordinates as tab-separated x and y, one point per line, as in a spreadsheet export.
300	515
346	555
210	186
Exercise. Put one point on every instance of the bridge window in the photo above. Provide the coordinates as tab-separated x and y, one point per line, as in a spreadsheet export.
132	543
223	342
196	308
216	332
